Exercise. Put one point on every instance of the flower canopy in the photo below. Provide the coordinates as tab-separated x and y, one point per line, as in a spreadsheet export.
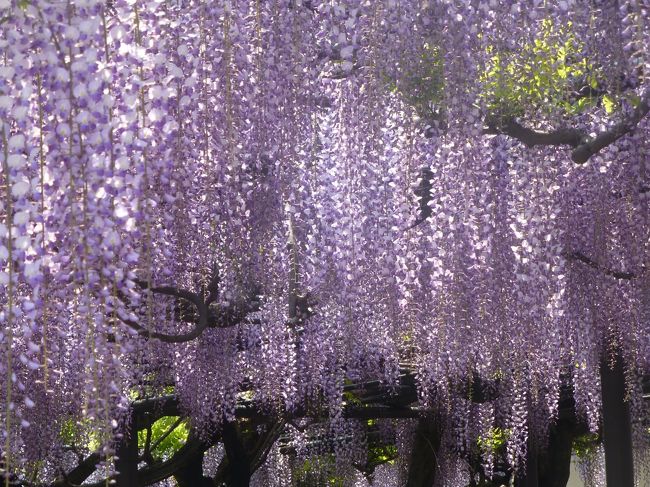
271	200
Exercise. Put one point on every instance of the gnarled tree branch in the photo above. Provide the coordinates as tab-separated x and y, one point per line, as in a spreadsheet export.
531	138
193	298
81	472
583	146
584	151
226	317
579	256
165	337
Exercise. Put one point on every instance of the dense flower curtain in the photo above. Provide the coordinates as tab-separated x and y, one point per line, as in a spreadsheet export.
294	194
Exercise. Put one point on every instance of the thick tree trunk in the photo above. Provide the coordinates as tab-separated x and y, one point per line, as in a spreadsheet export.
238	460
617	427
424	466
555	465
126	463
552	466
191	474
529	477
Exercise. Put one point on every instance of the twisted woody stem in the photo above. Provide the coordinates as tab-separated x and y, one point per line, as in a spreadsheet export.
208	316
583	145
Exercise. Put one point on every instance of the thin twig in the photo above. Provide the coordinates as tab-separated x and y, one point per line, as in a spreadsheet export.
579	256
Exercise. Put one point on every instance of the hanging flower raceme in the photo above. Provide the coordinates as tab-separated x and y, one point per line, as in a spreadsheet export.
264	204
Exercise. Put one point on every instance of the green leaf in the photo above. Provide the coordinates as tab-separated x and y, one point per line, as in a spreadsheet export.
634	100
171	443
585	445
80	433
541	75
494	440
610	104
69	432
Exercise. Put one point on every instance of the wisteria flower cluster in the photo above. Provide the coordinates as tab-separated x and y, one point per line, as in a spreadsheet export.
286	197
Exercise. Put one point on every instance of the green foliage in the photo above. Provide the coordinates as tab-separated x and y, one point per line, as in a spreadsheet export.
381	454
148	390
22	5
350	397
495	440
421	85
543	76
321	468
172	440
585	445
83	435
633	99
69	432
547	75
610	104
80	434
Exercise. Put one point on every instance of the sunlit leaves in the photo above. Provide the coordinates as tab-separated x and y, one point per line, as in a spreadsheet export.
547	75
585	445
609	104
167	435
421	83
494	441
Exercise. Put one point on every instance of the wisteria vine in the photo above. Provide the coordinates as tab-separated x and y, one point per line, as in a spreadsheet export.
271	200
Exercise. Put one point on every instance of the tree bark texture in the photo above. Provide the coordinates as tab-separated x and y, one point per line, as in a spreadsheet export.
617	427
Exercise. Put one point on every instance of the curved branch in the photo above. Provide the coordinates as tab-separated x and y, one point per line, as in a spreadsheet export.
164	470
531	138
193	298
210	315
579	256
583	146
81	472
164	337
584	151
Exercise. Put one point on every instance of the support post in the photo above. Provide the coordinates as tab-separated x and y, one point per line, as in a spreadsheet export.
238	459
554	467
424	465
126	452
191	474
617	426
530	476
